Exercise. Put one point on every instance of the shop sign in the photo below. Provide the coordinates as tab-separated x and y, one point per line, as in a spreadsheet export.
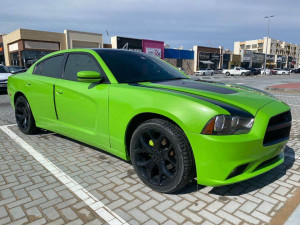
291	59
283	58
258	58
129	44
279	58
215	57
204	56
270	58
154	52
246	55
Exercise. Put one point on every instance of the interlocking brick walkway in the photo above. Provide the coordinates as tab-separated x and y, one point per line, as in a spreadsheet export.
31	194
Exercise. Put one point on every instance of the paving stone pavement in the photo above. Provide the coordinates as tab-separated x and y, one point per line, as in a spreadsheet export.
30	194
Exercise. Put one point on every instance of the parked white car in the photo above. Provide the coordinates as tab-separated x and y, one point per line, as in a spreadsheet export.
207	71
236	71
4	74
280	72
267	71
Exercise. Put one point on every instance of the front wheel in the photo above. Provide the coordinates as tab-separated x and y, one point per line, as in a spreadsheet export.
283	73
227	74
243	74
24	117
161	156
203	74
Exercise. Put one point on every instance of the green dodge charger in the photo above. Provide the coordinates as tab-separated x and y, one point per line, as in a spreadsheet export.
140	108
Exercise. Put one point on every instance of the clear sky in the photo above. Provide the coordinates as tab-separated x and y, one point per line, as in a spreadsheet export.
176	22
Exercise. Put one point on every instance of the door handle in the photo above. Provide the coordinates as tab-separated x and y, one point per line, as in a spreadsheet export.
28	83
59	92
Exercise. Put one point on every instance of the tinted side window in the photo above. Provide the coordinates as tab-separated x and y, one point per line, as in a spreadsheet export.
37	69
79	62
52	67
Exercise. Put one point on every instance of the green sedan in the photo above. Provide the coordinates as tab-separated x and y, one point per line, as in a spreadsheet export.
140	108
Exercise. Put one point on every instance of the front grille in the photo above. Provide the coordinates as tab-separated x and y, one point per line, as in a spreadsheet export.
278	129
3	80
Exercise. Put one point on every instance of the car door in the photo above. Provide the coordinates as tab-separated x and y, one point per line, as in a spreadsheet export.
39	89
82	108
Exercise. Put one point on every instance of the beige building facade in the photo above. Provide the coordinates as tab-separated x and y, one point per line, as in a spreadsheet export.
23	47
278	49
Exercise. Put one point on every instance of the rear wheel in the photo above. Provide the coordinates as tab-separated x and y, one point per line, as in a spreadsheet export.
24	117
161	156
283	73
203	73
243	74
227	74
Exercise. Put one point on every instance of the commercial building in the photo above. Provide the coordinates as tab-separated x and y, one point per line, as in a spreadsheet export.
23	47
2	61
280	54
152	47
207	57
181	59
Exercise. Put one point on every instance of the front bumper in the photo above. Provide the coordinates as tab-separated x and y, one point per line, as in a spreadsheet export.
222	160
3	85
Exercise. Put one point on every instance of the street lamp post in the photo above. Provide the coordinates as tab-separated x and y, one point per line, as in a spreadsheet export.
265	64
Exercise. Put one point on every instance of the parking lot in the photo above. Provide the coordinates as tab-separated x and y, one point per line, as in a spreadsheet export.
50	179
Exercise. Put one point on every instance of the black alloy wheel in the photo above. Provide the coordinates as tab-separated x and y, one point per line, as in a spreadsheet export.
24	117
161	156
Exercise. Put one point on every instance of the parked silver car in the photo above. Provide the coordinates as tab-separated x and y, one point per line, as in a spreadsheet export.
4	74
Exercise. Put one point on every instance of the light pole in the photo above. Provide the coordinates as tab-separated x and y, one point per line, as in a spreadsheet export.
265	64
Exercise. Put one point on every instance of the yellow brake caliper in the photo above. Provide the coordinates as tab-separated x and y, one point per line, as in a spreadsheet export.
151	143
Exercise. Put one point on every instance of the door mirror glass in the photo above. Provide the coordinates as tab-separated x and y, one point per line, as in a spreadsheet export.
89	76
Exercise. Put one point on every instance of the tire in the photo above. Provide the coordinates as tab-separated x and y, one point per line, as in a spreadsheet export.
24	117
203	73
242	74
212	74
283	73
161	156
227	74
250	73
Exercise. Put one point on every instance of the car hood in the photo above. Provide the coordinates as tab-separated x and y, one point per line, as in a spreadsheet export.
246	98
4	76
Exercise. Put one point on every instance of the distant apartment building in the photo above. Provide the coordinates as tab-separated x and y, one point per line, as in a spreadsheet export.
279	53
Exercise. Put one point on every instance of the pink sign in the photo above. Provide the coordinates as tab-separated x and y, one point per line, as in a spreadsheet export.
155	48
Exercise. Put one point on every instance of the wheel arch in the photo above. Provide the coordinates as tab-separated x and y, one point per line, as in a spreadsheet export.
137	120
18	94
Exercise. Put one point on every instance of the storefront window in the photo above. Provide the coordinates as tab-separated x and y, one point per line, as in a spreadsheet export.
30	57
14	59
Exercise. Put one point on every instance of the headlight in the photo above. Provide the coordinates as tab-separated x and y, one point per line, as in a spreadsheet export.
226	125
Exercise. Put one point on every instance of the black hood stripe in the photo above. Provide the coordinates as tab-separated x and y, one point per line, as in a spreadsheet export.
233	110
186	83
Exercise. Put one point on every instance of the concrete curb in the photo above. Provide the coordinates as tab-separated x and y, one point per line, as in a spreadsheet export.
270	88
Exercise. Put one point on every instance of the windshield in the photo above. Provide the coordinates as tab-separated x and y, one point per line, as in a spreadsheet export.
131	67
3	70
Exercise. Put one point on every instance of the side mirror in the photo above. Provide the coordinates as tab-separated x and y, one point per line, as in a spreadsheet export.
89	76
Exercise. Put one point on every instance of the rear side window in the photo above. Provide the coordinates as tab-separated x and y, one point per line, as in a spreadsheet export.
37	69
52	66
79	62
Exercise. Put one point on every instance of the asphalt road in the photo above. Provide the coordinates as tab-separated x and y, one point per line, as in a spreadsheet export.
48	178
